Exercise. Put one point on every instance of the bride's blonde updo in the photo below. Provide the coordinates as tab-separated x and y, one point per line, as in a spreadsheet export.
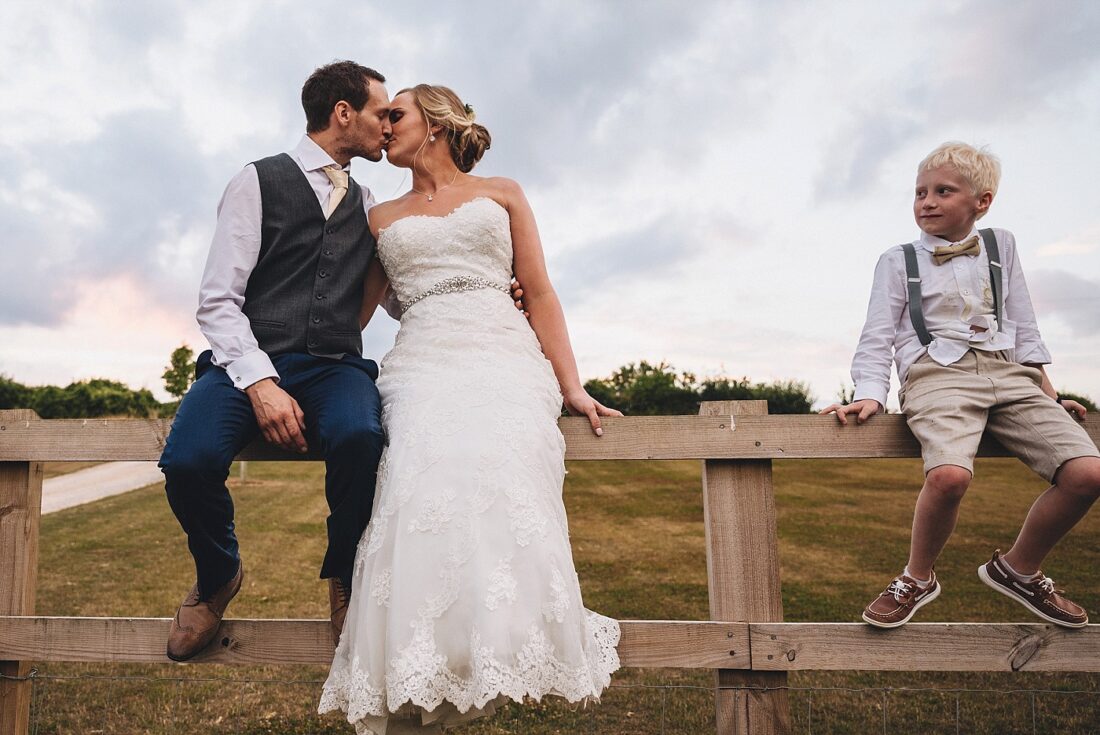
441	106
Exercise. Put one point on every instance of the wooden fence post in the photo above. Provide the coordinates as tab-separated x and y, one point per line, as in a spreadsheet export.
20	508
743	575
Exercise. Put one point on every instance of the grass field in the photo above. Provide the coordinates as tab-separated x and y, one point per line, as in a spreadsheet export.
638	541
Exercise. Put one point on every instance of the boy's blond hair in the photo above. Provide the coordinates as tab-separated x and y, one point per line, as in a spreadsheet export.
977	165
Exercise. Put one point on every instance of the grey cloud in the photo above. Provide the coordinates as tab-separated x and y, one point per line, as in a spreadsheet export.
985	62
1069	297
146	185
647	250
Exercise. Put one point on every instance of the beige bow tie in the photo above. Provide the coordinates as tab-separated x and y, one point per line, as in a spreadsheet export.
339	179
945	253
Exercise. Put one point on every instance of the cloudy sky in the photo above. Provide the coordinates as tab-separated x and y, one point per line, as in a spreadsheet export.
714	181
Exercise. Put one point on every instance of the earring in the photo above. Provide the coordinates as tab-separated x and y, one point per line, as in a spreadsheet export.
431	138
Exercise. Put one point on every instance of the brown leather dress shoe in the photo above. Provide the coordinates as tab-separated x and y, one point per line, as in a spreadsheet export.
197	620
338	598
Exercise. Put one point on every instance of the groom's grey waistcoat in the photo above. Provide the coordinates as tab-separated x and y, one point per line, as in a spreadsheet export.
305	292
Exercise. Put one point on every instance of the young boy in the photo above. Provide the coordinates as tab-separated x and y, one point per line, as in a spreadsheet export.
953	310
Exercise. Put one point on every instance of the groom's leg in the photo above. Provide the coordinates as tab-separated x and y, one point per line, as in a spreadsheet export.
213	423
344	423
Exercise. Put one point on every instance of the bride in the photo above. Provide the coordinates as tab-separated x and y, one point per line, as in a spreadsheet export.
465	594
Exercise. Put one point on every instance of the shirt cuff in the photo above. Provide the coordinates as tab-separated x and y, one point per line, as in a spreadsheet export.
875	392
1033	355
251	368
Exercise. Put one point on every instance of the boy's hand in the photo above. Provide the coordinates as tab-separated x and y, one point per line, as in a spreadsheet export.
864	409
1074	408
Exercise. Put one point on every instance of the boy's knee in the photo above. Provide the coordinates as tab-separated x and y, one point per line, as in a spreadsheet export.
1081	476
948	481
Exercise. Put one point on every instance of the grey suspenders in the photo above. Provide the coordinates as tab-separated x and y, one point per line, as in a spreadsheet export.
912	275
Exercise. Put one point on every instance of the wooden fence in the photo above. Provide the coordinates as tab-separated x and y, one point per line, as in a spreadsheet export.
745	642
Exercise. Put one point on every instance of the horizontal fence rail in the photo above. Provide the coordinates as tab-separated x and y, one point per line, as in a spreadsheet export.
645	644
751	655
634	437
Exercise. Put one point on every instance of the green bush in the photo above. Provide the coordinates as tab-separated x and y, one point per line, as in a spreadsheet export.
82	399
649	390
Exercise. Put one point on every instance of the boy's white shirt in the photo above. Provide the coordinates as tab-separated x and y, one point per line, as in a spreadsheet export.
954	296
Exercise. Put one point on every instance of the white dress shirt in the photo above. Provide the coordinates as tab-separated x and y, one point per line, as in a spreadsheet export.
955	296
233	254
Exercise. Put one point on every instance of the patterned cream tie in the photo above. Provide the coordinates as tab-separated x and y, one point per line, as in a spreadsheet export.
945	253
339	179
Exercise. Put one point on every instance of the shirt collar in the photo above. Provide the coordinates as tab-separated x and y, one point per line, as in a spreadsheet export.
931	242
313	156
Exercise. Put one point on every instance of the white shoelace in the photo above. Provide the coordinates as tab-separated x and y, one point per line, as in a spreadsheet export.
898	588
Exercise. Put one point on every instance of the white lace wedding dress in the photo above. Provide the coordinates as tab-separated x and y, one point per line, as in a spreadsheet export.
465	594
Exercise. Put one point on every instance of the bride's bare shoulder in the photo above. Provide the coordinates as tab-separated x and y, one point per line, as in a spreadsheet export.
507	192
382	215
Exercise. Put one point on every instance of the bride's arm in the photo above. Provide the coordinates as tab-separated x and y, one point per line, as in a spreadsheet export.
374	290
542	304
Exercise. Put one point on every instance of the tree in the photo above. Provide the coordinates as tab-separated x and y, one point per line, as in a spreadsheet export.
646	389
180	372
13	394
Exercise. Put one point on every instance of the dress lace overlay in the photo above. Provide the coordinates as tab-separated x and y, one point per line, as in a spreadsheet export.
465	593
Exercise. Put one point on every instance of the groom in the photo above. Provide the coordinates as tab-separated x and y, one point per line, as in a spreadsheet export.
279	304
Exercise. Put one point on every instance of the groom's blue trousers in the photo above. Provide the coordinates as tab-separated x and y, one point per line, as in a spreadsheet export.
215	421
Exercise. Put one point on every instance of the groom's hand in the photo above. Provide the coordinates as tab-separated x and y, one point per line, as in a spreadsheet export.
517	296
280	418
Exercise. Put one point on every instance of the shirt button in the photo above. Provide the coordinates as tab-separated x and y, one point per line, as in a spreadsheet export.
320	296
316	320
323	274
313	343
238	378
330	230
328	252
966	292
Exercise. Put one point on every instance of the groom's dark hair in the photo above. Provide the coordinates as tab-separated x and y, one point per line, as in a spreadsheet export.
328	84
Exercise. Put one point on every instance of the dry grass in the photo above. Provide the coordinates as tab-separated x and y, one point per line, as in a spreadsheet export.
638	541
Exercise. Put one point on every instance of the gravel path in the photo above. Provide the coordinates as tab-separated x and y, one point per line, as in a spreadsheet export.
101	481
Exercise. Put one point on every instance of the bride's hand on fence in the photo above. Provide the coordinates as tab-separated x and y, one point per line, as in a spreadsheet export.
579	403
864	409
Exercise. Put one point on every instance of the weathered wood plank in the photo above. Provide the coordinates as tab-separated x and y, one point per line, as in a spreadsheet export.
743	574
645	643
926	646
20	511
633	437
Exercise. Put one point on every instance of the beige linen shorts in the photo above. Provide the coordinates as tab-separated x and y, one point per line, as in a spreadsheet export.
948	408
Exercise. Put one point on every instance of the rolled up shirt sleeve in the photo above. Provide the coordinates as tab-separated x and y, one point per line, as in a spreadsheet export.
873	359
1030	347
234	250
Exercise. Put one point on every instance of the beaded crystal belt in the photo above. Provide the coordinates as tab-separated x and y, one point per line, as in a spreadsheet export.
454	284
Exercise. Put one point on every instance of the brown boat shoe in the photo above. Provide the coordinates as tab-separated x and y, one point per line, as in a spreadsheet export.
1037	595
899	601
197	620
338	598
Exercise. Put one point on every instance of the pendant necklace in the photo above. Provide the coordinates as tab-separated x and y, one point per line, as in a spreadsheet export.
431	197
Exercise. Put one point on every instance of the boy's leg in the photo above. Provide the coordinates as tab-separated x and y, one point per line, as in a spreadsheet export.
935	517
946	409
213	423
1055	513
1045	438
